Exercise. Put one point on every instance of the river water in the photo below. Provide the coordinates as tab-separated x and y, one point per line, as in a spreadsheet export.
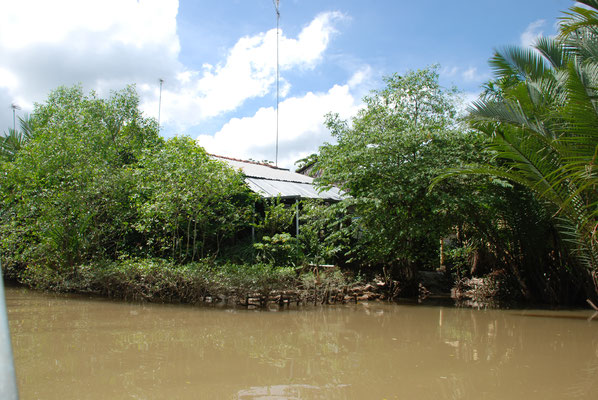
76	347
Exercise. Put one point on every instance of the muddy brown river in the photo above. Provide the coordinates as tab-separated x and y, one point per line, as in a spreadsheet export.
76	347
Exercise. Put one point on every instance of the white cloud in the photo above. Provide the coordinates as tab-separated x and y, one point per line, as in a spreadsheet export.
465	100
111	43
532	32
8	80
311	42
249	71
103	44
361	77
29	22
465	75
449	72
471	75
301	126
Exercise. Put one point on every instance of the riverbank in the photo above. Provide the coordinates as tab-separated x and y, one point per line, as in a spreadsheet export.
248	285
161	281
260	285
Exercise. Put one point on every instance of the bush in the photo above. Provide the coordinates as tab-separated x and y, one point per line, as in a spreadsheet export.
163	281
279	249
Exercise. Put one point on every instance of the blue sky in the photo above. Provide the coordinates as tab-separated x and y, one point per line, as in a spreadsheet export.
217	58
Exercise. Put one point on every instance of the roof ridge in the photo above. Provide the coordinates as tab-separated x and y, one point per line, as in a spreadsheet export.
279	180
249	162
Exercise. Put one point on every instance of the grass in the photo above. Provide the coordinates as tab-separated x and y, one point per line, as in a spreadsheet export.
158	280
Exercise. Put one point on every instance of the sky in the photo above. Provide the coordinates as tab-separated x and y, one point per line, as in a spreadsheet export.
217	59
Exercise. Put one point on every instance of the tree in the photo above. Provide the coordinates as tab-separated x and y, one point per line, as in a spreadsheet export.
188	203
540	112
14	140
65	196
387	156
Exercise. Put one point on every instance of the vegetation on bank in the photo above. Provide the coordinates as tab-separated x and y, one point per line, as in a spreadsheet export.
159	280
511	190
94	199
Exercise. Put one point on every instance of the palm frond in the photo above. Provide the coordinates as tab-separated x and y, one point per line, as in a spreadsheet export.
553	51
579	17
11	143
541	113
27	127
507	112
522	63
582	109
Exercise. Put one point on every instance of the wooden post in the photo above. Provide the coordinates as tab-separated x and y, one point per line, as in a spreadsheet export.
442	267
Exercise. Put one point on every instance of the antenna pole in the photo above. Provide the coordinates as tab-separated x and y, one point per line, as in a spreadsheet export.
14	107
160	103
277	76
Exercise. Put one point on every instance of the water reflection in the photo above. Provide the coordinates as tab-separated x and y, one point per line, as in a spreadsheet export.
290	392
69	347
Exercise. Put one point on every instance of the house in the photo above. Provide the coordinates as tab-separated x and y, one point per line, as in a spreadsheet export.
269	181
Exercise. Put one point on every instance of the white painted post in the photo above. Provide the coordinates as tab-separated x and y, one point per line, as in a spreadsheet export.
297	217
297	225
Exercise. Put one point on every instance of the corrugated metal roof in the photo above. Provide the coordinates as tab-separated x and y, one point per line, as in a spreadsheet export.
271	188
270	181
265	171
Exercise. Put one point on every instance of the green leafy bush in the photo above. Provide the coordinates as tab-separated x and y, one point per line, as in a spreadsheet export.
281	250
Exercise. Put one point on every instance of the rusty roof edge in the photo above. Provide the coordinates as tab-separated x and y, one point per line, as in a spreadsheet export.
276	180
250	162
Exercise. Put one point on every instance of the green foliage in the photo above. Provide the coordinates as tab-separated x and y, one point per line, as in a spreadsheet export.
309	164
14	140
65	195
281	249
278	217
457	259
540	113
94	181
387	157
164	281
331	281
188	203
92	198
244	280
326	233
276	246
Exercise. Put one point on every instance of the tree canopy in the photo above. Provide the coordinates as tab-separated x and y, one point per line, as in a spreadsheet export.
387	156
540	113
94	180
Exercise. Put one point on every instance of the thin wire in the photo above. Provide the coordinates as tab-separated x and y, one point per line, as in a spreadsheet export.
160	103
276	7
